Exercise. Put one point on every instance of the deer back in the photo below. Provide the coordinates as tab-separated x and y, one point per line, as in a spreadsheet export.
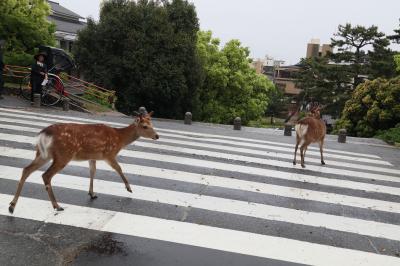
316	128
83	141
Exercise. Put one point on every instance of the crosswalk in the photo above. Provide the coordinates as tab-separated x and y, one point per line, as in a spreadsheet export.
235	194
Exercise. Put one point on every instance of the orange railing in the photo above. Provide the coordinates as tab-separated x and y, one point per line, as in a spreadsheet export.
20	71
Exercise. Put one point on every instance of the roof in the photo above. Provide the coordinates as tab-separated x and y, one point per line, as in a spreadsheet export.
59	10
67	25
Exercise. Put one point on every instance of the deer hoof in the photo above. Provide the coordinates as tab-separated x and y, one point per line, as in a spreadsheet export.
92	196
322	162
11	209
294	162
303	166
59	209
129	189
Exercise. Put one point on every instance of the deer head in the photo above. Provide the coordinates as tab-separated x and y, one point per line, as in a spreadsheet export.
316	111
145	126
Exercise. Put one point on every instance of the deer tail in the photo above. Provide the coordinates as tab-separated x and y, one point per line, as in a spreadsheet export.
44	142
301	130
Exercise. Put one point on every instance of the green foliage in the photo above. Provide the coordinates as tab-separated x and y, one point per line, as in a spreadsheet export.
396	36
331	80
391	136
302	114
24	26
265	122
94	95
277	102
351	43
374	105
146	51
230	86
328	84
397	62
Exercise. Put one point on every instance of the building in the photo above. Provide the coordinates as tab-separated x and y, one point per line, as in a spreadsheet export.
282	76
285	80
68	23
258	65
314	49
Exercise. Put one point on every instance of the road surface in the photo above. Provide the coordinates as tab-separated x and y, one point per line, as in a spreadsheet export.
202	195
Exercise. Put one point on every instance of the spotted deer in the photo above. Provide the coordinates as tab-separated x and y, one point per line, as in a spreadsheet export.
67	142
309	130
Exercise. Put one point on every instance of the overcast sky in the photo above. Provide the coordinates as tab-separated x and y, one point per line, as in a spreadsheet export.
278	28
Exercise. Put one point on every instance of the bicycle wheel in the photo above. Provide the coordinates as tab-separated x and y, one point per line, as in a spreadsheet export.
25	87
52	92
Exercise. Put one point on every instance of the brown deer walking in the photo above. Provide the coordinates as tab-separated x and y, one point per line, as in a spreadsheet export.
309	130
63	143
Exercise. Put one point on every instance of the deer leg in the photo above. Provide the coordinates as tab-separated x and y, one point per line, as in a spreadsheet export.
35	164
114	164
92	165
303	149
302	156
295	149
47	176
321	147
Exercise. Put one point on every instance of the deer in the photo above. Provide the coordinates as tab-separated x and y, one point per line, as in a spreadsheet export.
67	142
309	130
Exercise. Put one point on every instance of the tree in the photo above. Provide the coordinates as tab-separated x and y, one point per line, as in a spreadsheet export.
351	43
396	36
397	62
146	51
277	103
24	26
230	86
374	105
328	84
330	80
380	60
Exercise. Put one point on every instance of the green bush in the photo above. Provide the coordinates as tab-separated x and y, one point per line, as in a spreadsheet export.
265	122
374	106
24	26
391	136
18	59
397	61
98	97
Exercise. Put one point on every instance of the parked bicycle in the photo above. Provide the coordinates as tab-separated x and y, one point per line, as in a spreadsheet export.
57	61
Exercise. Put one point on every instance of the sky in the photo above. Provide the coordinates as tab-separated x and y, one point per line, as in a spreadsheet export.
280	29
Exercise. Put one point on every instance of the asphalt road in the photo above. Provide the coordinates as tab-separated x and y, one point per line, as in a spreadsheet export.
202	195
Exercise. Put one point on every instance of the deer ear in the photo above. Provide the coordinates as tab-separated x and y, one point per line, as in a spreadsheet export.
151	113
138	116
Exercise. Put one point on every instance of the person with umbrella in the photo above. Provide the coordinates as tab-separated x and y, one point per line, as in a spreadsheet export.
38	73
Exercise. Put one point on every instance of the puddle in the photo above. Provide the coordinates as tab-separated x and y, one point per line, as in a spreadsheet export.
106	245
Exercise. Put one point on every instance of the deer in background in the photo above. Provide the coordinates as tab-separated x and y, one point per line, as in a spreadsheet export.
309	130
67	142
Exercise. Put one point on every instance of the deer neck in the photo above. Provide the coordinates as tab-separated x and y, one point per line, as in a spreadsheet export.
128	134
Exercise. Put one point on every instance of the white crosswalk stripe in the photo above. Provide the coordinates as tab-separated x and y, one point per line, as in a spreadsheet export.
58	118
356	197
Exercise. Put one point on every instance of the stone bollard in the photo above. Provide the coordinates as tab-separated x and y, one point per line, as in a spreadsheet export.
342	135
37	100
188	118
237	123
65	104
288	130
142	110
